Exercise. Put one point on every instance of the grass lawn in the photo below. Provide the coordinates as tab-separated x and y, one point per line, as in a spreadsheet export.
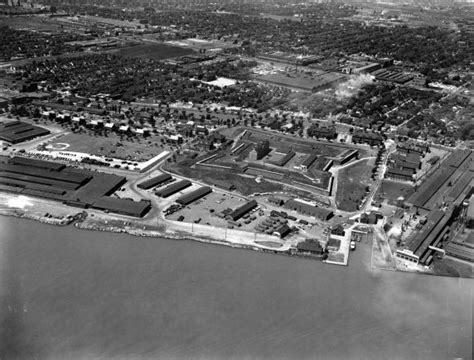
269	244
352	183
392	191
449	267
154	51
244	185
113	146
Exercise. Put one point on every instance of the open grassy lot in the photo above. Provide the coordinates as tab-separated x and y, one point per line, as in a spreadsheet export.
394	191
352	183
154	51
245	185
452	267
112	146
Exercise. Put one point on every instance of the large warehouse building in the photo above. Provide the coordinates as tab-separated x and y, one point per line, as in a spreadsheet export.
242	210
74	187
155	181
191	197
173	188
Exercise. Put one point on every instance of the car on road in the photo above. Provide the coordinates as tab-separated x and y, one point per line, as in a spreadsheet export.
353	245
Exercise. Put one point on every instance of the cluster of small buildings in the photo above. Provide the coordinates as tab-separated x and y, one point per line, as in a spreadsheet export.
275	225
370	138
404	164
392	76
314	83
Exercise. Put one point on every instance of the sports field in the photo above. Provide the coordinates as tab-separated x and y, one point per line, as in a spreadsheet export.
154	51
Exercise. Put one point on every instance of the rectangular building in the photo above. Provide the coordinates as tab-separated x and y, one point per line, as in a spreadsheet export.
282	231
42	164
310	247
426	191
173	188
242	210
123	206
399	174
309	209
16	132
191	197
155	181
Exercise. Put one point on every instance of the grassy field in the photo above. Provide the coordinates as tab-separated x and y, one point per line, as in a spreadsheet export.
112	146
450	267
393	191
352	183
244	185
154	51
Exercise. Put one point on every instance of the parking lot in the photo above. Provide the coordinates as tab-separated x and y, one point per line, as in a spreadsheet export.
209	210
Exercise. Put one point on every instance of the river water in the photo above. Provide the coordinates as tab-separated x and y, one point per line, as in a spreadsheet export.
75	294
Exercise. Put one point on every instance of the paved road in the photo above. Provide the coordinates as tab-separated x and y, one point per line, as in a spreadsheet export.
390	147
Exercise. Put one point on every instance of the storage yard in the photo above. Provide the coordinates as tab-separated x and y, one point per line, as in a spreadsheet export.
210	209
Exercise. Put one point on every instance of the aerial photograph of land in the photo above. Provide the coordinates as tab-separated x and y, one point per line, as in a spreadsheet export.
334	139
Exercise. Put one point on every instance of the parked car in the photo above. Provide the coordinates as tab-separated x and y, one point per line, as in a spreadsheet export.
353	245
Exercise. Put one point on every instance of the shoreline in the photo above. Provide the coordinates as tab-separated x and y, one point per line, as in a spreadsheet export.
81	224
168	235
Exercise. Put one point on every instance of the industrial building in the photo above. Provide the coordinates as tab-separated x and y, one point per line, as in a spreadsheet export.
74	187
191	197
426	241
155	181
242	210
28	175
16	132
455	171
123	206
42	164
309	209
173	188
310	247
